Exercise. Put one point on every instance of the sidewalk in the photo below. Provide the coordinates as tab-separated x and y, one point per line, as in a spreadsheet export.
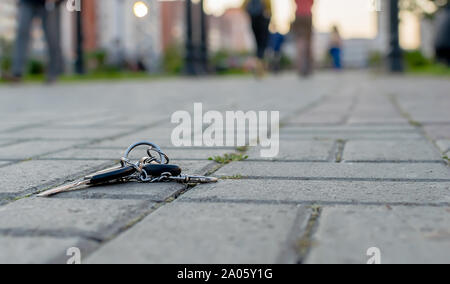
361	165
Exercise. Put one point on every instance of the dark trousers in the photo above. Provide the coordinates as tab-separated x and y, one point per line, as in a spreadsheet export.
51	25
260	27
335	53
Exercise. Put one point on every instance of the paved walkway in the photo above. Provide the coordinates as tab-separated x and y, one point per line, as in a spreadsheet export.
361	165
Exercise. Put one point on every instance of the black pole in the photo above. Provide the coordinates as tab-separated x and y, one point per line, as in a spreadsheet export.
189	59
79	62
395	53
204	38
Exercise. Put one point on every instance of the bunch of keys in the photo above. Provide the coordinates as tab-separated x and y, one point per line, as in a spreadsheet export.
149	169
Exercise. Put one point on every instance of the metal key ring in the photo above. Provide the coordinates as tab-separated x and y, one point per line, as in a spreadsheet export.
163	159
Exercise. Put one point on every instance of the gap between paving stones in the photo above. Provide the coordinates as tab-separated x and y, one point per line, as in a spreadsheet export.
338	179
311	202
418	125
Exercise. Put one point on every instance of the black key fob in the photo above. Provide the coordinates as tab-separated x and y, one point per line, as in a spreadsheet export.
155	170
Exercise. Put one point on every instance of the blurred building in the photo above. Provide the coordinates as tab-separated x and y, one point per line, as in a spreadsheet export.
122	33
8	19
172	23
231	31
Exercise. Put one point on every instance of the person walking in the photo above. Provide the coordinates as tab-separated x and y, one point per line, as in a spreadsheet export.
49	13
260	12
335	47
302	28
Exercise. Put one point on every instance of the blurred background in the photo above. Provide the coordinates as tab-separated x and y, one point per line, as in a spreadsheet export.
129	38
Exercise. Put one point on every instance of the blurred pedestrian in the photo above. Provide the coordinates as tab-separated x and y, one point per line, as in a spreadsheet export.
302	29
49	13
335	48
442	42
260	12
276	45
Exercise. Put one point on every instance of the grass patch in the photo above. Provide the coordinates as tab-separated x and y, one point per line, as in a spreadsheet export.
446	158
417	63
242	149
228	158
432	69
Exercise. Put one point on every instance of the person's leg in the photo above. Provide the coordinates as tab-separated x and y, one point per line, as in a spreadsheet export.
51	27
301	60
255	29
259	36
308	46
301	31
265	36
338	59
26	13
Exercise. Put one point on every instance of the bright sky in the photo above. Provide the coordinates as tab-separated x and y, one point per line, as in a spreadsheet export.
355	18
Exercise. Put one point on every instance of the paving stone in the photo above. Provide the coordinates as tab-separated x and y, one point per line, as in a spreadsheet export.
116	153
403	234
88	120
29	175
438	132
298	150
29	149
160	137
376	118
64	133
390	151
90	218
337	170
206	233
157	192
350	136
36	250
321	192
444	145
358	128
320	118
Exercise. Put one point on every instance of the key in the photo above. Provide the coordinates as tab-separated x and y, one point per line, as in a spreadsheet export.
114	174
193	179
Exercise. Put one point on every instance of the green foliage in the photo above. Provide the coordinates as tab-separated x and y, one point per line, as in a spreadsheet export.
173	60
97	60
227	62
417	63
376	59
416	59
228	158
286	62
5	55
35	67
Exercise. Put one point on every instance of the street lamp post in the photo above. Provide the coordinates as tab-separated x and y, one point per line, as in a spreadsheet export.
189	58
79	61
204	38
395	52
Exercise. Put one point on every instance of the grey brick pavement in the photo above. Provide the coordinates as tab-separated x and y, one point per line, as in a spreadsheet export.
360	166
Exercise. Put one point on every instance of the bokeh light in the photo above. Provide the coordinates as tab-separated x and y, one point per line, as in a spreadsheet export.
140	9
